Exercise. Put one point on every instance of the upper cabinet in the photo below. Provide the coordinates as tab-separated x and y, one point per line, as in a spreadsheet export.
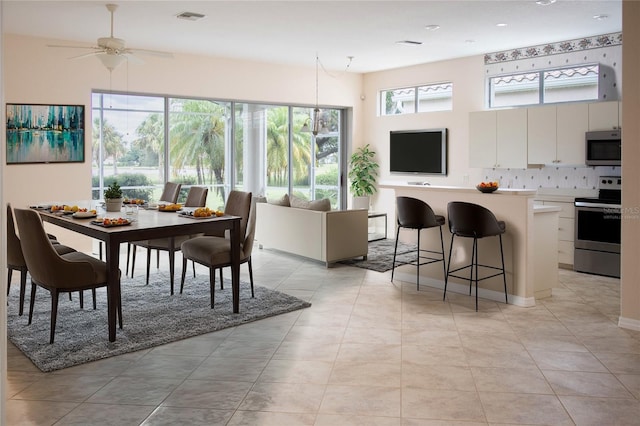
549	134
498	139
605	116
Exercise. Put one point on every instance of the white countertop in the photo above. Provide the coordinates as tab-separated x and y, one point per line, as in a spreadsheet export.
537	208
471	189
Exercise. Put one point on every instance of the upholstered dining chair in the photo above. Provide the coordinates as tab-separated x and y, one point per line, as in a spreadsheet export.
56	273
215	251
197	197
15	258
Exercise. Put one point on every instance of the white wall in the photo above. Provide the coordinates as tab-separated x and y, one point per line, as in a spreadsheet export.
34	73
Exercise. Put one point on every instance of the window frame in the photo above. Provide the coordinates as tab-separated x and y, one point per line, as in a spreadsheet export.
417	90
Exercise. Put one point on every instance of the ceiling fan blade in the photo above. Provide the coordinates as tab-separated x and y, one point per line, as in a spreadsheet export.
132	58
72	47
86	55
150	52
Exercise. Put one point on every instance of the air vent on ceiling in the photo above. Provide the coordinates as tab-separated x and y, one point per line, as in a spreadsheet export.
409	42
190	16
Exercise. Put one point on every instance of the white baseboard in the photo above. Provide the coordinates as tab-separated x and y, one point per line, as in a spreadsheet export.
630	323
498	296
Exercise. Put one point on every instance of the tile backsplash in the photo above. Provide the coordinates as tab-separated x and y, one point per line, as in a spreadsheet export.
551	177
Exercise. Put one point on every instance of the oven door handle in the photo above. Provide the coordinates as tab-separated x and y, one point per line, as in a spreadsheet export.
598	205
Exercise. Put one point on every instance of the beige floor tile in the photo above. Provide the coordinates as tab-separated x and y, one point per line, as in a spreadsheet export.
354	420
516	380
135	391
437	377
263	418
326	334
620	363
63	388
296	371
431	337
36	413
208	394
586	384
602	411
362	352
385	336
618	344
229	369
500	342
426	422
429	355
167	366
631	382
441	404
365	374
361	400
246	348
284	397
428	321
195	346
567	361
308	350
169	416
530	409
486	356
543	342
106	415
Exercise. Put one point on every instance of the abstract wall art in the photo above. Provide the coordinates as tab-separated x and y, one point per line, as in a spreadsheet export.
38	133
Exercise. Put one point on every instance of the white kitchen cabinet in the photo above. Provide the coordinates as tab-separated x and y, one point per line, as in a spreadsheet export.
566	228
541	135
498	139
604	116
511	150
482	139
572	121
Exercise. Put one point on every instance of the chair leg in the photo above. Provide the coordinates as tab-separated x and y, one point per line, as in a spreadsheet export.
32	301
473	254
23	289
444	265
446	277
100	249
81	299
54	313
504	272
418	264
9	273
133	259
157	259
212	284
120	311
148	264
172	267
475	249
221	280
93	293
395	250
184	273
193	264
251	276
126	271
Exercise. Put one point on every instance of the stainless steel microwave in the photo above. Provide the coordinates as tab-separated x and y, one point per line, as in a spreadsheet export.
604	148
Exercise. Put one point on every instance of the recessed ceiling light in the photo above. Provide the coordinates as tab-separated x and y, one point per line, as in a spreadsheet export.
545	2
501	24
432	27
600	17
409	42
190	16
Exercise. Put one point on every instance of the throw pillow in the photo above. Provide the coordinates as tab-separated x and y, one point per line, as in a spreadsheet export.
283	201
323	205
299	203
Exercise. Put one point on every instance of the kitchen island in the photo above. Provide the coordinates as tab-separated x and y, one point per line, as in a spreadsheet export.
530	241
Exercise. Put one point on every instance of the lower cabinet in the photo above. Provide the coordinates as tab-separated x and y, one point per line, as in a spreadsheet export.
566	229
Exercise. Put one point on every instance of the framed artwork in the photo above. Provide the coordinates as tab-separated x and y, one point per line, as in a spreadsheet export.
38	133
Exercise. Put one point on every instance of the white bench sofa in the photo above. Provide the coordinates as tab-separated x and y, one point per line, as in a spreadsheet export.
328	236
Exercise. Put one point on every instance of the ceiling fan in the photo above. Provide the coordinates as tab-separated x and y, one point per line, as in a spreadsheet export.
111	50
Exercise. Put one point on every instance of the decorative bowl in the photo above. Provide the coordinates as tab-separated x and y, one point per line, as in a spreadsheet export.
486	189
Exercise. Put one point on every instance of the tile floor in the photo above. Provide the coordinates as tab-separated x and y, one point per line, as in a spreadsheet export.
368	352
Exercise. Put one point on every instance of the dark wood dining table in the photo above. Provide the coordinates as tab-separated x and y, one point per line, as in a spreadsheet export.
149	224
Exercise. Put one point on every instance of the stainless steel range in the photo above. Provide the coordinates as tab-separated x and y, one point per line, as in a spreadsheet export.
597	230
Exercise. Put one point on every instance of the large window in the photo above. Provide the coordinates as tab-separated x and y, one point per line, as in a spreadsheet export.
224	145
544	86
408	100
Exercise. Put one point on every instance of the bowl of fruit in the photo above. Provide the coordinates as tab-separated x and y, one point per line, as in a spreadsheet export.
487	187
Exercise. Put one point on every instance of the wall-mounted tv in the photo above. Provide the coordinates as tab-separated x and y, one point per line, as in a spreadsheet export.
418	151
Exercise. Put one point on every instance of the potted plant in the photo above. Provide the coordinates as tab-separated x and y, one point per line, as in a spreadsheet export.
363	170
113	197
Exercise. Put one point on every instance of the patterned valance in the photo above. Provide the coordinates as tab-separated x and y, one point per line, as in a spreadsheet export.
560	47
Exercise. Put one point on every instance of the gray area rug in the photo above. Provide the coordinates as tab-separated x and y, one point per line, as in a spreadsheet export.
380	256
151	317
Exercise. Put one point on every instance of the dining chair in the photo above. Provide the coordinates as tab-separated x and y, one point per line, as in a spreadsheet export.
16	262
197	197
74	271
215	251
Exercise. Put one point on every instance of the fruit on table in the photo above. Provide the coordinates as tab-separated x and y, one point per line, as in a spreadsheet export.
170	207
203	212
488	184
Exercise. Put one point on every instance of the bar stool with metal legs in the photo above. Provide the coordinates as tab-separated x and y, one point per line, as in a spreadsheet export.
474	221
416	214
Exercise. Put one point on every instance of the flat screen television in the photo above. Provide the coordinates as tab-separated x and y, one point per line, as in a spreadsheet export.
418	152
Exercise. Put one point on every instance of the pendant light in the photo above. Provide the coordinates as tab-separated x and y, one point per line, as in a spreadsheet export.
315	118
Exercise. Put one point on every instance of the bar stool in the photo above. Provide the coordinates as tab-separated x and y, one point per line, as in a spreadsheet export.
416	214
473	221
